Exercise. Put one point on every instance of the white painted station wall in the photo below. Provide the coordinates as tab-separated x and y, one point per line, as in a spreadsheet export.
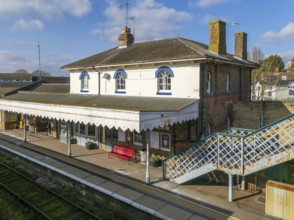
75	83
143	82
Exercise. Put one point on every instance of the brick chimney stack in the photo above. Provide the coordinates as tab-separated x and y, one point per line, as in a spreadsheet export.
217	37
125	39
241	45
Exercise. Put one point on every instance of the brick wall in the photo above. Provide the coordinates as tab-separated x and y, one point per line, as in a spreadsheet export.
247	114
218	106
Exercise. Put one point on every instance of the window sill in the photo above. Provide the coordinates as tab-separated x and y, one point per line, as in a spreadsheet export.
120	92
163	93
84	90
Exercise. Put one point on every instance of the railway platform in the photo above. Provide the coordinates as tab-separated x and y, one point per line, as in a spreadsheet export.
161	198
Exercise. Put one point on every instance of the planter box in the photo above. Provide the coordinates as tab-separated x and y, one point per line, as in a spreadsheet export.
155	164
73	141
90	146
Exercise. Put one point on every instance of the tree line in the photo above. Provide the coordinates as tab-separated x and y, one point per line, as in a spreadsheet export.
267	74
34	73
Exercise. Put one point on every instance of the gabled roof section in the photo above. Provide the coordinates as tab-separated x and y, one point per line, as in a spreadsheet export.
167	50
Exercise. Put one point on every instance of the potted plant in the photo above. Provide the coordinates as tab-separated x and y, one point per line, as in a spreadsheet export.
73	140
155	160
90	145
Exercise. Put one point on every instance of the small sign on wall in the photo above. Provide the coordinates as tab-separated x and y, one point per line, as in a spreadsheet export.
121	135
165	142
154	140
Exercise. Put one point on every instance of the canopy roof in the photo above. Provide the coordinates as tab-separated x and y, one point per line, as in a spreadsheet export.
133	113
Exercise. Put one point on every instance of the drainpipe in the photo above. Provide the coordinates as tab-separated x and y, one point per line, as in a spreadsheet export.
99	80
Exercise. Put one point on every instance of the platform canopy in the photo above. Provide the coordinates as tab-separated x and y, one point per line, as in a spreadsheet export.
124	112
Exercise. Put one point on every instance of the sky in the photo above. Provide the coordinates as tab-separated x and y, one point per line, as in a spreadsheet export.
70	30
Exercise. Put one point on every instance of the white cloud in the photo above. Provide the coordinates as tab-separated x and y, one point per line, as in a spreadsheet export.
207	18
153	20
11	61
207	3
23	25
43	8
286	33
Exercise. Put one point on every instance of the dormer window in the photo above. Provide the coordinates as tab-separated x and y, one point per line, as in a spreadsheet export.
164	75
84	78
120	80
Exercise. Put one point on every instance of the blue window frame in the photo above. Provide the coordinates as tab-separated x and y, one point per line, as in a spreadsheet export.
120	81
164	75
84	78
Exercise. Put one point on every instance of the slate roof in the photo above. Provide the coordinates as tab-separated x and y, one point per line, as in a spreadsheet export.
7	88
143	104
53	88
173	49
15	76
55	79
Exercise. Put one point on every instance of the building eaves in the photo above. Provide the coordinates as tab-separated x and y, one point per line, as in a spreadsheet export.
141	104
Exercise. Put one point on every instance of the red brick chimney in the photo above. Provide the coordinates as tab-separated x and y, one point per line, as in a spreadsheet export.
241	45
217	37
125	38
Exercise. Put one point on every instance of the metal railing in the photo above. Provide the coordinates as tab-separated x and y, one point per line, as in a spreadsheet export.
235	151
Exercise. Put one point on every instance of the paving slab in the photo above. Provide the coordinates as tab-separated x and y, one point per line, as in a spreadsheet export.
150	202
175	213
129	194
113	187
95	180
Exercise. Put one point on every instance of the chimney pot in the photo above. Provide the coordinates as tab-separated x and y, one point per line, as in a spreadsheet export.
241	45
125	38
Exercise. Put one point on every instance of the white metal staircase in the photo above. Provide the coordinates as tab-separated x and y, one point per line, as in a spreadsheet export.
235	151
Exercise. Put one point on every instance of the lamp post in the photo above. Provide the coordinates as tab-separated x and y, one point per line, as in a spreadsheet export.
68	138
147	155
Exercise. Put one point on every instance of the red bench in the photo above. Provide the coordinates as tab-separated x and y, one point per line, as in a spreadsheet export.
122	152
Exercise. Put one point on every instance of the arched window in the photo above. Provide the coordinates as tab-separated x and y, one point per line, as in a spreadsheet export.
120	80
84	77
228	87
208	83
164	75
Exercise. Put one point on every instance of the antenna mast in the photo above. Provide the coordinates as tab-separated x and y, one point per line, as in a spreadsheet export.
39	53
127	12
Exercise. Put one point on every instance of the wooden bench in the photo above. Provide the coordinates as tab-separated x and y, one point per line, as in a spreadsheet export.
122	152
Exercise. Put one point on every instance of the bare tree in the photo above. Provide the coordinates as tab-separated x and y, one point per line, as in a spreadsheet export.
41	73
21	71
257	55
262	79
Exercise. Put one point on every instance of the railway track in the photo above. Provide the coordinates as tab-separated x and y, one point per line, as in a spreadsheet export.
42	201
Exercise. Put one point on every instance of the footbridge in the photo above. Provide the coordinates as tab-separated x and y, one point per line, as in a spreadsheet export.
235	151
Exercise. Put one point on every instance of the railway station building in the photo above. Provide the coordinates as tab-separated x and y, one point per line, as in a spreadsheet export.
174	91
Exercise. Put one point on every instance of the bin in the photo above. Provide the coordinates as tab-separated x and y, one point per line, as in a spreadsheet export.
143	155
